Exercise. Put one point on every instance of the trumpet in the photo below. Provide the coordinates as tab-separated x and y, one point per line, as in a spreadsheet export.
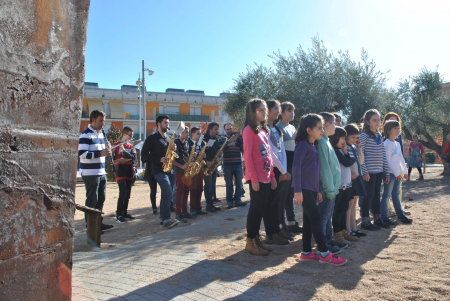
170	154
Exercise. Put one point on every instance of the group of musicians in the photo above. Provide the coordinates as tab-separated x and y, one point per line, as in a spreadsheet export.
174	164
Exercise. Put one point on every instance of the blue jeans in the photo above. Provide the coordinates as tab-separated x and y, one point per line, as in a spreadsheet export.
166	182
391	189
326	209
229	172
95	192
210	183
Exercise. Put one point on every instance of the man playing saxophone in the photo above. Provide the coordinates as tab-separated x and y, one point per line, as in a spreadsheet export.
210	181
154	152
183	183
196	188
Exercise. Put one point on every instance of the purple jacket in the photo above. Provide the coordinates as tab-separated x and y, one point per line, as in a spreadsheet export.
305	169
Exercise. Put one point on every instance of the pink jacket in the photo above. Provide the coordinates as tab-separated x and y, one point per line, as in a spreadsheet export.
257	156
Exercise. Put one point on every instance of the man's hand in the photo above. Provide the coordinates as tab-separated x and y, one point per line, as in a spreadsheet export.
298	198
273	184
108	145
399	178
164	160
204	156
354	176
195	155
255	186
366	177
319	197
122	148
208	164
183	167
388	179
174	147
106	152
406	177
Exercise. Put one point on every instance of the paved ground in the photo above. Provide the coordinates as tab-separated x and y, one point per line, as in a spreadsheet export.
169	265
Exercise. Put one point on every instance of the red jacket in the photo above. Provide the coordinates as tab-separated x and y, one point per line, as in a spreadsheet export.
124	170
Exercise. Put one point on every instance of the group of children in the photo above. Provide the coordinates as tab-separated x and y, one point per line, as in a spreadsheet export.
332	168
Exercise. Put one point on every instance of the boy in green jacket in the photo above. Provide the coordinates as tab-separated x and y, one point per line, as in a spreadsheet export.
330	180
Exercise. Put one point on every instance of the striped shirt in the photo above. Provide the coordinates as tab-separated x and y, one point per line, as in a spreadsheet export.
374	155
90	145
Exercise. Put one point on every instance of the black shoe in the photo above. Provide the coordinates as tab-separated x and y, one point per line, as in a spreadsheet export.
369	226
380	223
190	216
155	211
120	219
334	250
201	212
286	232
129	216
336	244
404	219
388	221
216	200
180	218
360	233
106	227
172	209
230	206
211	208
295	228
240	204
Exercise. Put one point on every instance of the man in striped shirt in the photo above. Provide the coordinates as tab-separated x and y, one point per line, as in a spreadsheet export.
92	150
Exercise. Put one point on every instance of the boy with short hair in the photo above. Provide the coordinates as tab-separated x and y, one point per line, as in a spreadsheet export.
124	172
330	180
196	188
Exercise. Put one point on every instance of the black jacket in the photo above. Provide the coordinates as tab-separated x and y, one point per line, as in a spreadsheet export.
211	151
155	147
183	151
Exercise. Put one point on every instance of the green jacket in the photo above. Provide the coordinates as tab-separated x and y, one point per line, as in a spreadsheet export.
330	170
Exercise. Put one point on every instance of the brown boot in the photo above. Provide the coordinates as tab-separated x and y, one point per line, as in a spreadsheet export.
340	239
284	236
348	236
277	240
252	248
260	244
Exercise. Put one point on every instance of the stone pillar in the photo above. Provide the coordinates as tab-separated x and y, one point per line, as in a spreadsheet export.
42	44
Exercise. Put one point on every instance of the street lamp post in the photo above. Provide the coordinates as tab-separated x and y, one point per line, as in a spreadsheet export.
139	83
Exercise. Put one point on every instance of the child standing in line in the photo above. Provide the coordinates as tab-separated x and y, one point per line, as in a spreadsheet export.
330	181
288	225
375	164
345	189
259	173
283	178
305	175
397	169
354	150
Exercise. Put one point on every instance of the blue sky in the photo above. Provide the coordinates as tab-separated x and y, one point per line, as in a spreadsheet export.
203	45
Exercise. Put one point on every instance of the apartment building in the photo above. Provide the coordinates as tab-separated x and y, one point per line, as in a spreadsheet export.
122	107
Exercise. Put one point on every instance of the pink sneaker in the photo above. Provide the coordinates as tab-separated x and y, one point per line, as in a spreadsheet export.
310	256
333	259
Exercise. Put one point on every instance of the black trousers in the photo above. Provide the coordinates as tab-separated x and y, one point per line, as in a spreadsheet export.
287	203
124	197
153	189
419	169
277	195
339	220
312	223
372	199
258	208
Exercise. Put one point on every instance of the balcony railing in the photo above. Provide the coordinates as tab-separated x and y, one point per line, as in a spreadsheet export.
172	117
180	117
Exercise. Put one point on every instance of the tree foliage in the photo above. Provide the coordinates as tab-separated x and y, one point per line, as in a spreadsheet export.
314	80
113	135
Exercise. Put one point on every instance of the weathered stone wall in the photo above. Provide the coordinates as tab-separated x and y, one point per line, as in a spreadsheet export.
42	44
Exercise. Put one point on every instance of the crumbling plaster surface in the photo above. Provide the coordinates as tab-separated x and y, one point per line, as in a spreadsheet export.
42	45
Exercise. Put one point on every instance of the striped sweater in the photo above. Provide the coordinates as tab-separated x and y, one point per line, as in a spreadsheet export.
90	145
374	155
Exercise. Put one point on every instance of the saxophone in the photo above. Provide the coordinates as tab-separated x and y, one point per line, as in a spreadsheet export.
190	163
199	163
170	154
215	161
